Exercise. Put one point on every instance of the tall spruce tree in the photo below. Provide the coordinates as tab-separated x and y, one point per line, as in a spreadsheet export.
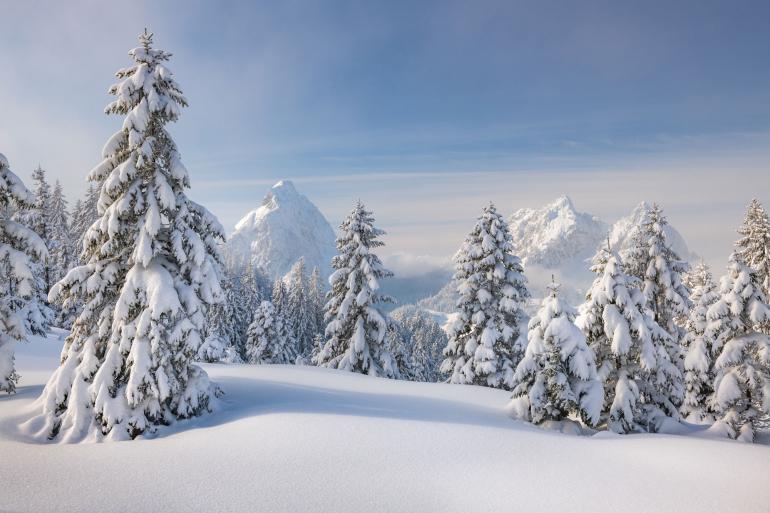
60	234
61	249
486	342
738	323
317	300
356	328
151	271
21	250
641	383
698	347
667	296
424	339
557	377
38	217
270	339
84	214
299	309
753	248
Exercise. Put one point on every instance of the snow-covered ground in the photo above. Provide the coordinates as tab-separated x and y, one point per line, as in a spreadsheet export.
292	439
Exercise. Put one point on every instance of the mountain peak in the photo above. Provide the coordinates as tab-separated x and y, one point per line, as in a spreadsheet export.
555	233
285	185
563	202
284	228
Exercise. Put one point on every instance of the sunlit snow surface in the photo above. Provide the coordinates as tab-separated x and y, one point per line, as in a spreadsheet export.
303	439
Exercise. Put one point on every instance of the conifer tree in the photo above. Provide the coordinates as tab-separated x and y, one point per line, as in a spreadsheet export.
219	343
356	328
269	338
299	312
423	339
738	323
753	248
641	383
557	376
667	296
20	250
486	341
241	300
38	217
151	272
660	273
697	344
280	296
398	344
317	300
84	214
61	249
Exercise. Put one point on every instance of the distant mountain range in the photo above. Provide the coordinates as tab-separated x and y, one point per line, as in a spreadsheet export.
554	240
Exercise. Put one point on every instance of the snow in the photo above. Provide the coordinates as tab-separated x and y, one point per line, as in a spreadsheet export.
287	439
284	228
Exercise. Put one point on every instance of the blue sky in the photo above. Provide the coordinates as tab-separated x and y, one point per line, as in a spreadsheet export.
425	110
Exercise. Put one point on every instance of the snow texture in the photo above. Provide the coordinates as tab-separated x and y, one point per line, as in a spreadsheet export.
286	439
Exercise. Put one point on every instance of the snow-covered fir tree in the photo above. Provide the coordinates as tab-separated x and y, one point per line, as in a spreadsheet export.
269	337
753	248
738	323
151	271
660	272
20	250
316	301
61	252
356	328
220	343
397	344
61	248
486	341
36	215
84	214
667	297
641	383
299	309
557	377
279	296
697	344
423	339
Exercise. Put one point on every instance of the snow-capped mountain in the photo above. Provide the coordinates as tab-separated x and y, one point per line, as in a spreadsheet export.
284	228
555	234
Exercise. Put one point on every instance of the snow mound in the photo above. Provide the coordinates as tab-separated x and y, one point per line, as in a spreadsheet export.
284	228
555	234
